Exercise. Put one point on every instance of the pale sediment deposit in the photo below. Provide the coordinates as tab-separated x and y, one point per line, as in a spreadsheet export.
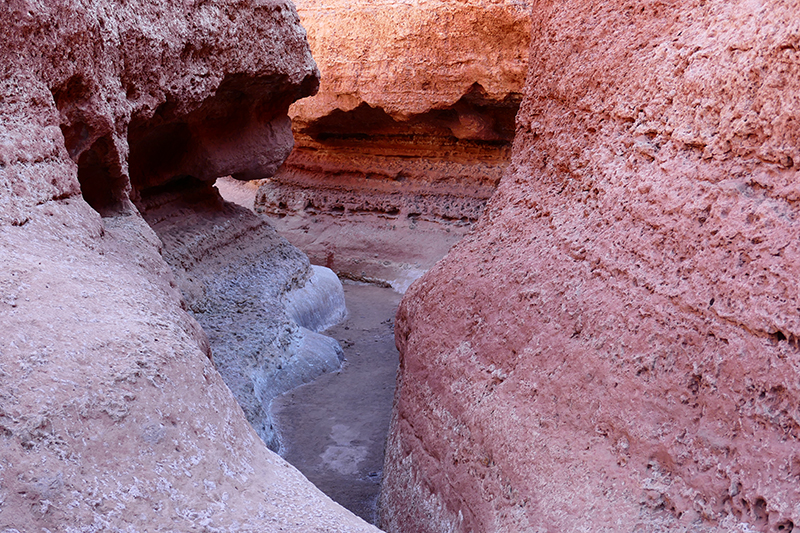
334	429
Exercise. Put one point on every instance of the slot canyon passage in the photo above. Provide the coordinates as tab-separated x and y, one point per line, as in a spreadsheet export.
381	183
611	346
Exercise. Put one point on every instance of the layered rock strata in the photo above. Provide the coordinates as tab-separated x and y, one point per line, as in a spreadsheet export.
413	124
615	347
112	416
256	296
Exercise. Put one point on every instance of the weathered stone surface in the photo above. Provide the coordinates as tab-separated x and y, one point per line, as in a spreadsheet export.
615	347
112	414
413	121
413	57
244	284
141	80
112	417
319	304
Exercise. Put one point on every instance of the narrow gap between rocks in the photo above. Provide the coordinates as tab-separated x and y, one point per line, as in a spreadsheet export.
334	428
378	201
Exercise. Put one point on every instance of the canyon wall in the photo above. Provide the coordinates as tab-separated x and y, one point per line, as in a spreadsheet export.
615	347
112	415
412	125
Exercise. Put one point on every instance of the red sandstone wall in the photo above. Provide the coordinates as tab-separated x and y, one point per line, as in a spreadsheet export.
615	348
398	153
415	113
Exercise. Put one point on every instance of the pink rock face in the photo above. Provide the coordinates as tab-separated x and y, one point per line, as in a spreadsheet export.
412	127
415	113
112	416
409	58
142	93
615	348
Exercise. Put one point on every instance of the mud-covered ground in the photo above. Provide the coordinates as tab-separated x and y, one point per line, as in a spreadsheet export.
333	429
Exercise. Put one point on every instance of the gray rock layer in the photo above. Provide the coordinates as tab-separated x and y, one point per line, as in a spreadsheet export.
319	304
256	295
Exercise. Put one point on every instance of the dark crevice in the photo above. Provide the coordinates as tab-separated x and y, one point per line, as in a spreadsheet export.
175	141
475	117
102	185
70	99
159	152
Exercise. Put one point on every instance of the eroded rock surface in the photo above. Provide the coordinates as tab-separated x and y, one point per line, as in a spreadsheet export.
615	347
255	295
413	123
112	416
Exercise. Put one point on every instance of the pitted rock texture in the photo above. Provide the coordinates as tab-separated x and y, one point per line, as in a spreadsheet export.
413	57
414	118
615	347
145	91
112	416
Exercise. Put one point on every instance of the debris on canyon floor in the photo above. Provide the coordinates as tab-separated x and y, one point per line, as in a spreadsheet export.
368	248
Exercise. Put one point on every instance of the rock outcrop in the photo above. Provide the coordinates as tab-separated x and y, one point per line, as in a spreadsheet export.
615	348
112	416
256	296
413	123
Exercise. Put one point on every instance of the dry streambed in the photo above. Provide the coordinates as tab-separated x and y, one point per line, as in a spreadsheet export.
334	429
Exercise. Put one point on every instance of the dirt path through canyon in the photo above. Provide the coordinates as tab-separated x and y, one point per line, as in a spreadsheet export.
333	429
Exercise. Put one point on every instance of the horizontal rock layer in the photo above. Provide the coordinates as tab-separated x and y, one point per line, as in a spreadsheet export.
244	284
441	165
414	118
410	58
615	347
